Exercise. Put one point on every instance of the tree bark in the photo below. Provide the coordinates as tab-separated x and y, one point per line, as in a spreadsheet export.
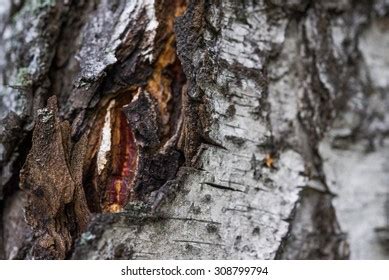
203	129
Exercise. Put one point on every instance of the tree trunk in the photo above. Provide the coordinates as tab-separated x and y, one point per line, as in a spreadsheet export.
194	130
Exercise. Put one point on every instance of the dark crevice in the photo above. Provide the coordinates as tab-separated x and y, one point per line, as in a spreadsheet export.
323	240
165	77
221	187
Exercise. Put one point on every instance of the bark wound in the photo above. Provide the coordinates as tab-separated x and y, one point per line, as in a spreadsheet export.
124	152
167	75
124	161
138	130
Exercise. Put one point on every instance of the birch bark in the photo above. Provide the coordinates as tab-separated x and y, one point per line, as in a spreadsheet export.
284	134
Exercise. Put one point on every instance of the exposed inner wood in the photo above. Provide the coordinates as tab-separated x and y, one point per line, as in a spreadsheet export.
124	161
114	152
167	72
112	147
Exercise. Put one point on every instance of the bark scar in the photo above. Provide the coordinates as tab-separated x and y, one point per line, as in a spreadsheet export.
157	165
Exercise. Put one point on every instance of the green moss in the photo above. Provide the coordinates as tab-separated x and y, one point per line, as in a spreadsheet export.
23	77
38	4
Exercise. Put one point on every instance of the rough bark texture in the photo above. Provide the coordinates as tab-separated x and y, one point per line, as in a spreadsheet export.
194	130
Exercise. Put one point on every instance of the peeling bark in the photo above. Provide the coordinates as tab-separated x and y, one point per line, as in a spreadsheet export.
56	208
193	129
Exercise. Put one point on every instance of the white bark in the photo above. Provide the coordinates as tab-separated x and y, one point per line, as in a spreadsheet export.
358	172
